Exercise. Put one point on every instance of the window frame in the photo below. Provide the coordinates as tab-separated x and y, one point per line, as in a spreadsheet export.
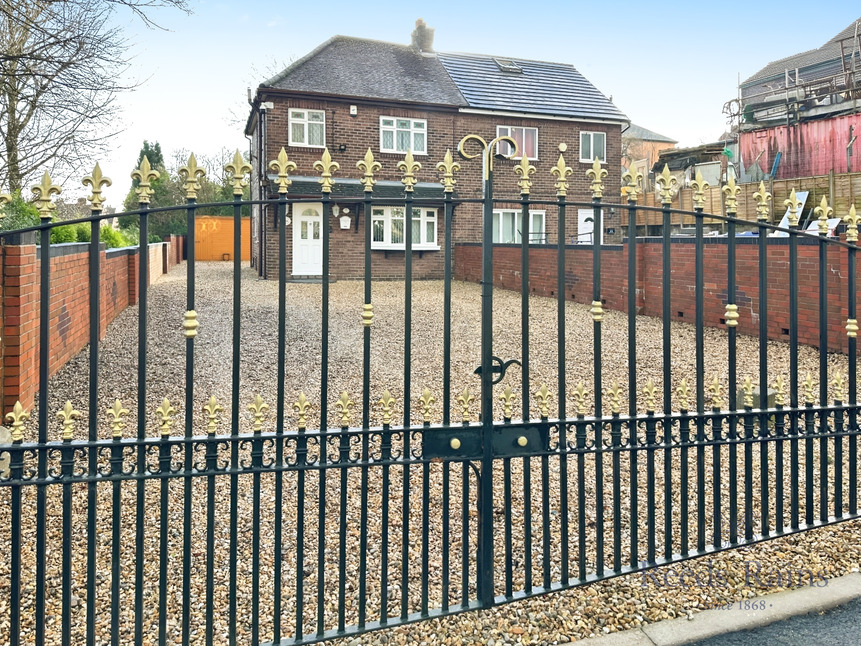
412	130
499	146
518	220
591	134
291	120
421	215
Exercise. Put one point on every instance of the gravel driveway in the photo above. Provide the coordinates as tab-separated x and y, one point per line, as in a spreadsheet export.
611	605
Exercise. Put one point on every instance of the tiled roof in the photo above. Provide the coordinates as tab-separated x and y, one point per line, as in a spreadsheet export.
372	69
830	51
356	67
643	134
540	88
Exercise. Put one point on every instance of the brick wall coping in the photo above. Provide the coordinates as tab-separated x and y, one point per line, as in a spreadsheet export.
122	251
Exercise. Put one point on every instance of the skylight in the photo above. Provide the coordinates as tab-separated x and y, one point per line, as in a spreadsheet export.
507	65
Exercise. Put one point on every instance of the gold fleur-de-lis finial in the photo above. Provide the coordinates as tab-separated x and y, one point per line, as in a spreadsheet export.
808	386
762	198
258	409
524	169
543	396
747	388
16	419
43	192
597	175
369	166
822	213
409	166
465	399
67	415
632	183
779	392
117	412
580	398
561	172
794	205
145	174
716	391
237	170
283	166
448	167
699	186
614	393
649	393
683	393
301	407
326	167
165	415
731	190
5	199
667	184
96	181
386	404
839	384
212	409
851	221
507	398
191	174
425	402
344	405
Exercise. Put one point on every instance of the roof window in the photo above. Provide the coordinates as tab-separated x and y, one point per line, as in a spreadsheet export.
507	65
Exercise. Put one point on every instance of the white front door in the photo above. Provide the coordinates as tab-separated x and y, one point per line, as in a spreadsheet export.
308	240
586	227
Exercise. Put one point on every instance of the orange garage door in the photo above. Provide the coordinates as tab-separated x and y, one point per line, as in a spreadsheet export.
213	238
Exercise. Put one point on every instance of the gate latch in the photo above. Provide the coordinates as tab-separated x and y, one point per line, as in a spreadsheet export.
499	367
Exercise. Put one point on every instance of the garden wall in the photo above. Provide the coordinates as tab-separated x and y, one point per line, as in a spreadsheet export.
614	284
69	321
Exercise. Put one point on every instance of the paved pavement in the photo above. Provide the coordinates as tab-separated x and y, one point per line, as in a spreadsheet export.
793	617
837	626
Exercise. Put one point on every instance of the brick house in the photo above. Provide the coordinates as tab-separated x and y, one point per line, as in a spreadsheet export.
351	94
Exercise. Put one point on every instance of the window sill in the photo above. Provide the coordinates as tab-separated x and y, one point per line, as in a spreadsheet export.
592	161
292	145
397	152
416	247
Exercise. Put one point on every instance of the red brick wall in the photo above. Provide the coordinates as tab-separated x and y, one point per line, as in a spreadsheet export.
445	129
70	302
614	285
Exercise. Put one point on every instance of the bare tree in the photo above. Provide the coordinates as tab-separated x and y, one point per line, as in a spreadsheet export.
61	70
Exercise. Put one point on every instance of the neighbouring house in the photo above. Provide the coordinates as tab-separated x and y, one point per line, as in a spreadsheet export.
800	115
351	94
641	147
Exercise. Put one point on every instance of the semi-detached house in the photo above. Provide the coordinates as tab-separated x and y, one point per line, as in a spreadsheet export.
351	94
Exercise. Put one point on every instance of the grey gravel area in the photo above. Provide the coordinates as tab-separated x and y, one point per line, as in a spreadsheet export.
617	604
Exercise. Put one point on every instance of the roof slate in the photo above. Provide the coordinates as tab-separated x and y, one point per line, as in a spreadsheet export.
828	52
357	67
541	88
368	68
644	134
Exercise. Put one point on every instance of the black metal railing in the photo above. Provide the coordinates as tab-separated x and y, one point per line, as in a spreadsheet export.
387	523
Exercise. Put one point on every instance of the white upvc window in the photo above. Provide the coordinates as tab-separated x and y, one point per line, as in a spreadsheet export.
388	225
398	135
508	226
592	145
526	138
307	128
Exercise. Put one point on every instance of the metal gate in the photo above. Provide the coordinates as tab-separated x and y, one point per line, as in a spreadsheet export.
564	489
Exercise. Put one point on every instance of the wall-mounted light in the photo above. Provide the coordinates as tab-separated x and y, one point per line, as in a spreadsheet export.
342	148
345	218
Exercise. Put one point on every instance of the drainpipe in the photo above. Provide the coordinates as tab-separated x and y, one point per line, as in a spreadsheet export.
261	183
849	149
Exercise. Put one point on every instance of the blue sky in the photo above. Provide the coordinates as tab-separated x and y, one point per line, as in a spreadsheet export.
669	67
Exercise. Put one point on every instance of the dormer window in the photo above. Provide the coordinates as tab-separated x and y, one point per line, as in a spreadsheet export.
507	65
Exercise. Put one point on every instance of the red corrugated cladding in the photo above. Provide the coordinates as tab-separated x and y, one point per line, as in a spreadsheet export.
809	148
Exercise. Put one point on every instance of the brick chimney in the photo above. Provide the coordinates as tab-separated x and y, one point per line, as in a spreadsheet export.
422	37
